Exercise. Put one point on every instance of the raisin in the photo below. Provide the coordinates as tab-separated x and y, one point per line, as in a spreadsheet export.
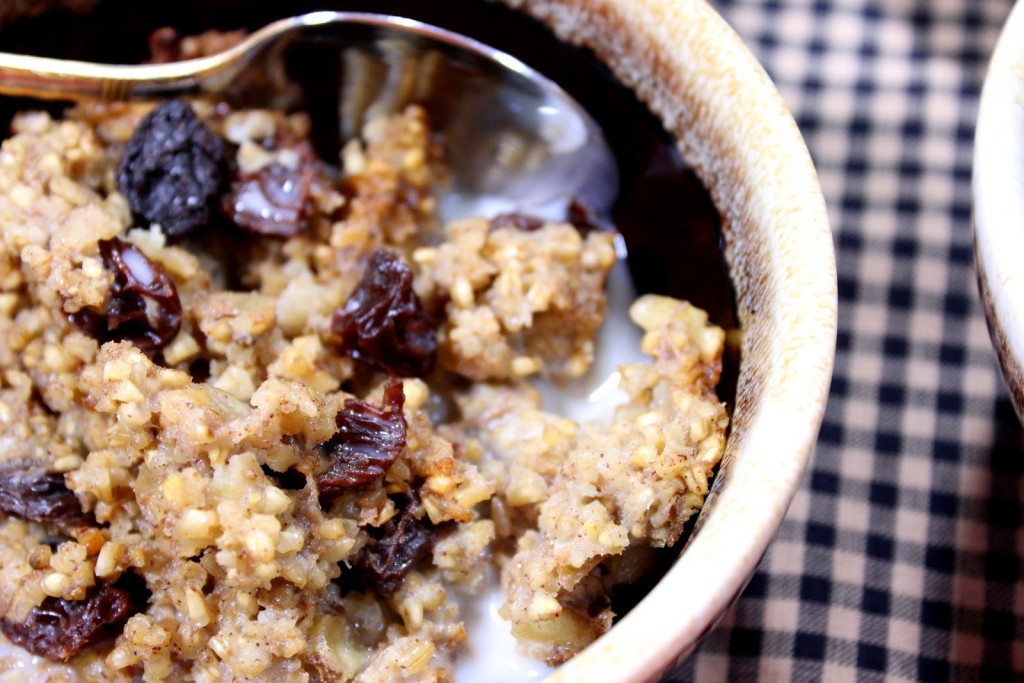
578	214
383	324
171	172
143	307
518	221
59	629
276	199
582	217
394	551
30	492
368	440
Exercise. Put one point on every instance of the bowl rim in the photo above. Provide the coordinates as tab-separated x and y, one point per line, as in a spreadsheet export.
997	188
732	125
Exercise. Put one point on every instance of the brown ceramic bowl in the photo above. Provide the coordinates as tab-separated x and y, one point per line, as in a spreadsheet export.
714	104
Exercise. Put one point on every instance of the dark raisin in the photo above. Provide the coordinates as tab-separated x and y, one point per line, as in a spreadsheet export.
59	629
383	324
276	199
368	440
396	548
30	492
582	217
171	172
143	307
518	221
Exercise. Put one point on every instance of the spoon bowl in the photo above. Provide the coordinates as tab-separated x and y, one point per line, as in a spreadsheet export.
516	141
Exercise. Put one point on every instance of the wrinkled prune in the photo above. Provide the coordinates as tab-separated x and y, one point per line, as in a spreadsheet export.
30	492
276	199
59	629
518	221
143	307
368	440
398	546
171	172
383	324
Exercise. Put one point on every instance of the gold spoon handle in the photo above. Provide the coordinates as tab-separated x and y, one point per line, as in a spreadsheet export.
65	79
61	79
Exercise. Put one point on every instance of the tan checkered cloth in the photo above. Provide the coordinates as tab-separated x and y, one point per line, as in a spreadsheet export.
901	558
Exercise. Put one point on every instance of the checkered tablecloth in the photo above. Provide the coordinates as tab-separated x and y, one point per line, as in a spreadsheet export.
902	557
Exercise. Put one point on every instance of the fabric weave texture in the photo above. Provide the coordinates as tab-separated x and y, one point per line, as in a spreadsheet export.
901	557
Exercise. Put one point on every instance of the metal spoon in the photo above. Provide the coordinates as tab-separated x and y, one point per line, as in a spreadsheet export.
515	140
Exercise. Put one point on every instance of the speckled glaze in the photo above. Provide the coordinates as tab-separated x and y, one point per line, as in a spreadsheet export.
694	72
999	202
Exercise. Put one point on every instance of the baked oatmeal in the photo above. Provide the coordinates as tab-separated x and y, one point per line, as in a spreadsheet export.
263	419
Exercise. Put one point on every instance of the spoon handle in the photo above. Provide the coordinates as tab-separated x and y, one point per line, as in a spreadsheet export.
62	79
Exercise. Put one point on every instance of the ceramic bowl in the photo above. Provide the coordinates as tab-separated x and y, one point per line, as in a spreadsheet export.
727	120
998	188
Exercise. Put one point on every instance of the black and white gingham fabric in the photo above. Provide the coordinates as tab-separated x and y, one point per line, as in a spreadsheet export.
902	556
